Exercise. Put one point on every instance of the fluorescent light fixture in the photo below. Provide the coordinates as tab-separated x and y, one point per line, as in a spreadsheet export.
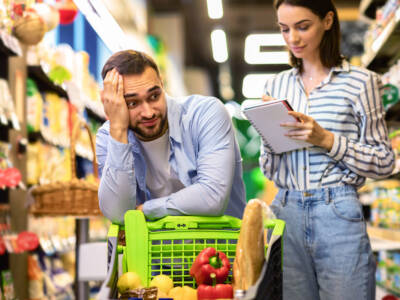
215	9
253	85
219	45
265	39
105	25
253	54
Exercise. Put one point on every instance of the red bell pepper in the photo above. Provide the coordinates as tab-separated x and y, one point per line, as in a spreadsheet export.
210	261
215	291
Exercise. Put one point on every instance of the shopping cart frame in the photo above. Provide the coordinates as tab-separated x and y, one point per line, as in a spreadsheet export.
185	227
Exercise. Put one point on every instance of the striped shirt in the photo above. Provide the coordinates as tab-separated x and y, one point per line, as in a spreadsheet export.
348	103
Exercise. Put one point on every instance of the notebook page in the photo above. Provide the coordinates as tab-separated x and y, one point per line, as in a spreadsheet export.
266	119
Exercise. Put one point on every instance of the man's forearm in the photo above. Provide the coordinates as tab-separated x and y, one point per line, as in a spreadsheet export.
117	193
119	134
117	190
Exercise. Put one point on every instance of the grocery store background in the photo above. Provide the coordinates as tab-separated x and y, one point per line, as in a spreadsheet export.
224	48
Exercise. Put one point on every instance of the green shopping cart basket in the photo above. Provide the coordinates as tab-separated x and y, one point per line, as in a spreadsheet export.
169	246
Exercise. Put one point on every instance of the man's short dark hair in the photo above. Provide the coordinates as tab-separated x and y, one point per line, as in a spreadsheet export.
129	62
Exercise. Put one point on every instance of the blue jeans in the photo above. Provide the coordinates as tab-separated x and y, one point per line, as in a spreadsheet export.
326	251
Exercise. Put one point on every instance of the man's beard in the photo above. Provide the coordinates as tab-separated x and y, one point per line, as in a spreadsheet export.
150	136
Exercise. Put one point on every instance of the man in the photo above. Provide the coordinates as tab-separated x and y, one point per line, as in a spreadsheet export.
163	156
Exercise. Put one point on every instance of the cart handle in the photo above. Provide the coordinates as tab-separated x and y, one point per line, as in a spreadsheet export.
197	222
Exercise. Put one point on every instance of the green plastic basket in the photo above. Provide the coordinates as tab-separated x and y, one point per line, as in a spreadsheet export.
169	246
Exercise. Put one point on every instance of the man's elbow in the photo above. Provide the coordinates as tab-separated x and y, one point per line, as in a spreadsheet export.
109	211
218	206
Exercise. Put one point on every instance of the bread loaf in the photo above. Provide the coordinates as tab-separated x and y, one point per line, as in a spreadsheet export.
249	257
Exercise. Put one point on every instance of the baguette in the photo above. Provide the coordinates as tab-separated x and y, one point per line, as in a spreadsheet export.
249	257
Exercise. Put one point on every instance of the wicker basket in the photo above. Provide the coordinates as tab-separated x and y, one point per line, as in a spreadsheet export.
76	197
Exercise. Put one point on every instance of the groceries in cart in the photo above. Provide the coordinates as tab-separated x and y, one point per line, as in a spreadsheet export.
195	257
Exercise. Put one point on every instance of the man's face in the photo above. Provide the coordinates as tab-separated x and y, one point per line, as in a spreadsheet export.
145	98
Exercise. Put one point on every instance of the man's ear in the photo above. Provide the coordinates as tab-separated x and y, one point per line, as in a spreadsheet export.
328	20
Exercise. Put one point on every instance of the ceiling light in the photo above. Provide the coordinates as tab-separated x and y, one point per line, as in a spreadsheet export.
265	39
104	24
215	9
253	53
253	85
219	45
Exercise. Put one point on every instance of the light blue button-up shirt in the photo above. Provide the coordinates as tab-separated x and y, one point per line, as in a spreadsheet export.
204	153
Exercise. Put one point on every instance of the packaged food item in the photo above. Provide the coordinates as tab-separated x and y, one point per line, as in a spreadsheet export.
149	293
7	285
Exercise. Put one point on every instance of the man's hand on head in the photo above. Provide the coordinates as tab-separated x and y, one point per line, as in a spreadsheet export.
115	107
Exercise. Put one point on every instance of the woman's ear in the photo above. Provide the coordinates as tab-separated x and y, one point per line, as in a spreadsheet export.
328	20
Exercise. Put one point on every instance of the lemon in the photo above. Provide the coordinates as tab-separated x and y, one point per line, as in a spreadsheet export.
175	292
161	294
128	281
163	283
183	293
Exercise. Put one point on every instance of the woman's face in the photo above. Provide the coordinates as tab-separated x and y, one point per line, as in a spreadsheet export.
302	29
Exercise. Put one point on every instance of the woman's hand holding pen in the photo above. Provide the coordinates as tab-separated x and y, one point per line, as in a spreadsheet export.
308	130
115	107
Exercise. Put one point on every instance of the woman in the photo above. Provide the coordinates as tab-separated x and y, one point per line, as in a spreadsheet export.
327	253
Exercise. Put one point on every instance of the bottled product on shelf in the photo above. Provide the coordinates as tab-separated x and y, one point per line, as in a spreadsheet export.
51	269
388	271
380	41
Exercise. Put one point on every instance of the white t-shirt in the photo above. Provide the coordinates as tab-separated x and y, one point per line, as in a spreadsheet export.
161	180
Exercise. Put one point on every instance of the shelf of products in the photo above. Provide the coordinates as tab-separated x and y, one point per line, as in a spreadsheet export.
385	47
9	45
10	192
388	271
368	7
44	83
49	111
81	100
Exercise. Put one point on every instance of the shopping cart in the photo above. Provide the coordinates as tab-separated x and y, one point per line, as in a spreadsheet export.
169	246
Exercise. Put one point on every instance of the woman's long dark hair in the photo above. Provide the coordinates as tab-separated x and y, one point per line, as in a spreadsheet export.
329	49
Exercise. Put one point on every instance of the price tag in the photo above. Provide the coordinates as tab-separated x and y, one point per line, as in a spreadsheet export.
27	241
12	177
2	246
2	179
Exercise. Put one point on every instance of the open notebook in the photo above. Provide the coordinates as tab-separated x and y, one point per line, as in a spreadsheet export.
266	118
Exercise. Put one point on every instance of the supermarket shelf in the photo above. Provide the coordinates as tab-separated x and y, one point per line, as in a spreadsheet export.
96	108
386	234
368	7
5	207
58	141
385	50
9	45
391	290
80	100
382	244
384	238
43	81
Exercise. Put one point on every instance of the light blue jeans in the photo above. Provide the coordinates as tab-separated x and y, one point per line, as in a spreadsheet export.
326	251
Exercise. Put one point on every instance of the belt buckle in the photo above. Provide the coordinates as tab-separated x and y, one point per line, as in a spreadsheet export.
307	194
